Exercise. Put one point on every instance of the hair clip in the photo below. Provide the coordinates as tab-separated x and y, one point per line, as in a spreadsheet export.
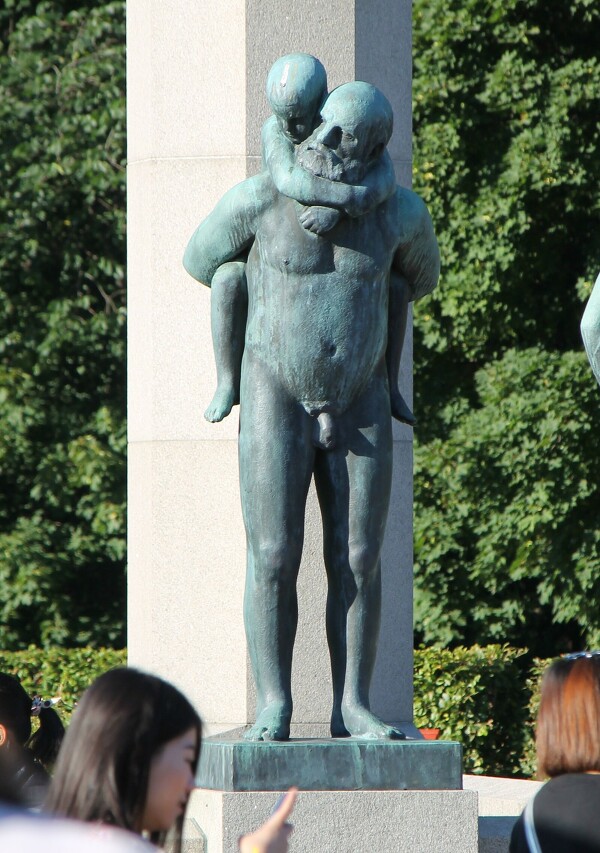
38	704
576	655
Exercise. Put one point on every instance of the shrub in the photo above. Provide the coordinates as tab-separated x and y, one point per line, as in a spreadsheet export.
60	672
477	696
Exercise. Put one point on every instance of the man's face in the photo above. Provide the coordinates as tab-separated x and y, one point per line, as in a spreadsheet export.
339	148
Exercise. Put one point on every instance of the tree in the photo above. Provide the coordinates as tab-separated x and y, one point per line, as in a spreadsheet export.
507	154
62	323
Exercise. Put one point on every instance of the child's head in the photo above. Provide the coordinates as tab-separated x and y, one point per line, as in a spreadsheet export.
129	755
296	88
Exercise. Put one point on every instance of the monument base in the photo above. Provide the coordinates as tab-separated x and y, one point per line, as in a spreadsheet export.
229	763
334	821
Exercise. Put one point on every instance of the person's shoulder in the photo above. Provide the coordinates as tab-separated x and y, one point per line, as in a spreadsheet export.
57	835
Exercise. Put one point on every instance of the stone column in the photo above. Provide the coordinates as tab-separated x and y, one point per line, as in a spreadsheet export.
196	77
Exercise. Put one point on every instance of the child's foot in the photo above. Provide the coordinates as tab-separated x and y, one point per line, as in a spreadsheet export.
400	410
221	404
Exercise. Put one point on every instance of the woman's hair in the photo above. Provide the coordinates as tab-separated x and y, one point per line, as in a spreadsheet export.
16	708
568	728
120	724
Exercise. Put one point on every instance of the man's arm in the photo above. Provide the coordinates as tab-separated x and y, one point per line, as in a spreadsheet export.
228	229
417	256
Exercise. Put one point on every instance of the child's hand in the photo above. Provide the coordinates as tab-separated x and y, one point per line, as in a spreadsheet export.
318	219
272	836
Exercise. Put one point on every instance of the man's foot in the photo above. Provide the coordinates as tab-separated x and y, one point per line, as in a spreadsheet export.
400	410
360	722
273	723
221	404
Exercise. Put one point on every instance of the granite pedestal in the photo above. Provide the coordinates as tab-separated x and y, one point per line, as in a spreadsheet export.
355	794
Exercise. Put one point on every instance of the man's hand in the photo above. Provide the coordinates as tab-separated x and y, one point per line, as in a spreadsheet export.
272	836
317	219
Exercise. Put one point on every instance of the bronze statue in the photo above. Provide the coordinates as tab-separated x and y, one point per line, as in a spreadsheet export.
323	280
590	329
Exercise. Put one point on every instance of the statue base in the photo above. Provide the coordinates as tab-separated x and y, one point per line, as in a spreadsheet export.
229	763
334	821
355	794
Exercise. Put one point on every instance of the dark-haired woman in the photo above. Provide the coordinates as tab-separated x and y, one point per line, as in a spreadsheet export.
129	759
27	755
564	816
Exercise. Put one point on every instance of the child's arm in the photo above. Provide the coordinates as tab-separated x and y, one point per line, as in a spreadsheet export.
295	182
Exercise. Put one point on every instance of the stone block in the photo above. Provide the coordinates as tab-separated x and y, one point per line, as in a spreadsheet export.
334	821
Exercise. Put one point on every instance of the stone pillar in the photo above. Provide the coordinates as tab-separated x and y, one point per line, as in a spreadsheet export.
196	77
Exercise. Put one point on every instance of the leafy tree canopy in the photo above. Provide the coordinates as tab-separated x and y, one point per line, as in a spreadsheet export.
62	322
507	156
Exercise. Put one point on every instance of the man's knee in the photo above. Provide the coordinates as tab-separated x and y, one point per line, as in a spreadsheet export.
364	562
275	562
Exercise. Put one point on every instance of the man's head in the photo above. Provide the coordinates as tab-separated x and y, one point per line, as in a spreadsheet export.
357	123
296	88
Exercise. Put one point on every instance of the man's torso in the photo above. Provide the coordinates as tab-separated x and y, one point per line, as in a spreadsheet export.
318	306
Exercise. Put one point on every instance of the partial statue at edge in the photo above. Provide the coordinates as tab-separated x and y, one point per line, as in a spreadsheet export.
312	265
590	329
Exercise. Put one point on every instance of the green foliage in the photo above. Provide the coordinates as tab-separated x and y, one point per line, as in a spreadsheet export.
60	672
507	156
475	696
62	323
507	541
533	686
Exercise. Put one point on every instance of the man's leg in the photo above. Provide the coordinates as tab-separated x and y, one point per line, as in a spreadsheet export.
276	459
353	483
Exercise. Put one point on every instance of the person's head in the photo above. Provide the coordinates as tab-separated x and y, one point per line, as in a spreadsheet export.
568	727
357	123
15	712
296	88
129	756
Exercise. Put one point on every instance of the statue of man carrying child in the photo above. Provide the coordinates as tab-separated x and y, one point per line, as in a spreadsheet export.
312	265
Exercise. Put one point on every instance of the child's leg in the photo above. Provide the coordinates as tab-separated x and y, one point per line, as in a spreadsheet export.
397	314
228	315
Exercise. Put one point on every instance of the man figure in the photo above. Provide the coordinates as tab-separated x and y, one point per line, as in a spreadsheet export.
315	399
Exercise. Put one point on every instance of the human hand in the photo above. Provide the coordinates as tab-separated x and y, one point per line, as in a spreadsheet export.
319	219
272	836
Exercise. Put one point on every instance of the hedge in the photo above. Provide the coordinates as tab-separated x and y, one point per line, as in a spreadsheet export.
484	697
60	672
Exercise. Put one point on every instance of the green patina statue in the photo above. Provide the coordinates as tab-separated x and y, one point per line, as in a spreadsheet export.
590	329
312	265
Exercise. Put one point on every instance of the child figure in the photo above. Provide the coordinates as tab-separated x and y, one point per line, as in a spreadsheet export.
296	89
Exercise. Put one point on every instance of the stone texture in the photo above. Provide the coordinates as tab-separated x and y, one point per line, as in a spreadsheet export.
334	821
